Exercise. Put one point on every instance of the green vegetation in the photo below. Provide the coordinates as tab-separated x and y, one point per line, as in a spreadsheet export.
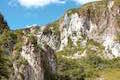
93	10
89	67
117	37
7	37
72	11
85	68
52	28
32	39
71	49
72	69
97	47
111	74
18	45
117	2
10	41
7	41
5	66
118	21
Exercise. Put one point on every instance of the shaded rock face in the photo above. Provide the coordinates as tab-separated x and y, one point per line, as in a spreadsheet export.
32	54
39	63
3	24
7	43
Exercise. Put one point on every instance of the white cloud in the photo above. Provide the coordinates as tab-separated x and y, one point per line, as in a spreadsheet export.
12	3
84	1
42	3
39	3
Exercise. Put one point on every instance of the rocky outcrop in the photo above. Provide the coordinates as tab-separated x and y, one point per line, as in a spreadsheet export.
97	21
92	29
3	24
37	63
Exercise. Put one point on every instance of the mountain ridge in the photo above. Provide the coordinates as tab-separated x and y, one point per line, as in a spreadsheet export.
78	46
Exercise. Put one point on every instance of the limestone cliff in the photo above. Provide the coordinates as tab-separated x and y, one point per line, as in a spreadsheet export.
78	46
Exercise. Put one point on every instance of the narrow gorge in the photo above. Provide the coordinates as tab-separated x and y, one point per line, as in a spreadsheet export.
84	44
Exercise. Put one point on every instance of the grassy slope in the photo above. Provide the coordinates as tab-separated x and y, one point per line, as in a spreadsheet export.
111	74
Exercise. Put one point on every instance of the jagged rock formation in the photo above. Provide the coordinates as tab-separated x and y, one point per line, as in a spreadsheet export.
98	21
38	64
83	39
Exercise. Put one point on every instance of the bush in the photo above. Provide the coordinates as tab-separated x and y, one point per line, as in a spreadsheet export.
5	66
84	68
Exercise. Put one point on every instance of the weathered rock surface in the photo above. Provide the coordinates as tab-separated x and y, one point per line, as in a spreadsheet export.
95	26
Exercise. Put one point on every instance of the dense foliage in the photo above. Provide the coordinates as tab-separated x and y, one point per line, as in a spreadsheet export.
9	41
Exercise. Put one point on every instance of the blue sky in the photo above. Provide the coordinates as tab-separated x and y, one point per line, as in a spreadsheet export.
19	13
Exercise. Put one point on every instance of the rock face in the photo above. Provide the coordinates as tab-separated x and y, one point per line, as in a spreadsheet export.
98	21
103	29
3	24
93	27
37	64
